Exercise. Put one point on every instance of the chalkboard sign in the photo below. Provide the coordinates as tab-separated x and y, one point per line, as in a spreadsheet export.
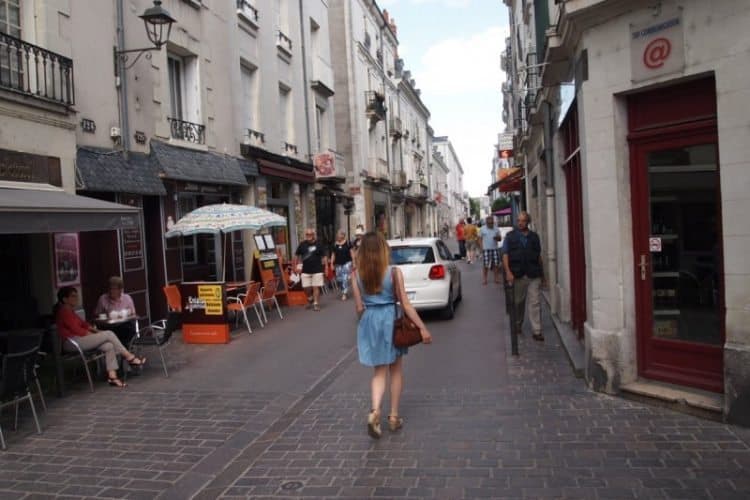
269	267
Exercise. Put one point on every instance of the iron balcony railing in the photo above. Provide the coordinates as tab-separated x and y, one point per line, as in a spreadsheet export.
247	10
284	41
187	131
33	71
375	105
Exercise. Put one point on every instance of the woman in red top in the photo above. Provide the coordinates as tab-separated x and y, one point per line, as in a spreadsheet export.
70	325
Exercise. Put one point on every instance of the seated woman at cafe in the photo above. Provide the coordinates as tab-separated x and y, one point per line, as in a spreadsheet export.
71	326
116	305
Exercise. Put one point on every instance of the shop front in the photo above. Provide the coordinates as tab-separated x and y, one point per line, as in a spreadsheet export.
285	187
677	226
40	230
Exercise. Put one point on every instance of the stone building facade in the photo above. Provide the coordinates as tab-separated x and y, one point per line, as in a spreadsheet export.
633	116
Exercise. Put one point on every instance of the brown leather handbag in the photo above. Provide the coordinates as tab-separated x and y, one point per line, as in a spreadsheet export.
405	332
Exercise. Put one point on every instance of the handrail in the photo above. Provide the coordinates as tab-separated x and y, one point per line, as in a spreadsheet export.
31	70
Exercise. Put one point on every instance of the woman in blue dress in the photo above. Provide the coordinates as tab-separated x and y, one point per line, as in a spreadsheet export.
375	299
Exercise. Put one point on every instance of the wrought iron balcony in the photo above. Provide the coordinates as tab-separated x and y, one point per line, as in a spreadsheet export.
253	137
30	70
394	126
187	131
247	11
284	42
375	105
289	148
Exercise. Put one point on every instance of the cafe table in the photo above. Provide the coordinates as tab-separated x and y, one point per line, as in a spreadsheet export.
124	327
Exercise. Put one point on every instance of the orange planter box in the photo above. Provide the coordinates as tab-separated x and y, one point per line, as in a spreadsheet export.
205	334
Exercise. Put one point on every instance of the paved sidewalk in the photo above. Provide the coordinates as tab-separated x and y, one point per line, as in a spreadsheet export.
281	414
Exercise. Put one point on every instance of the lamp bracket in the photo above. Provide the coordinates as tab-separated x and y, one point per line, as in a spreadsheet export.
124	55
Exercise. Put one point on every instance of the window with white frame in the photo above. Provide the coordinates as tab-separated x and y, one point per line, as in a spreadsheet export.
282	16
176	67
10	24
285	103
249	98
184	112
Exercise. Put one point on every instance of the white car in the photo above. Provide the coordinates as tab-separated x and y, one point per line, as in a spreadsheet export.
431	277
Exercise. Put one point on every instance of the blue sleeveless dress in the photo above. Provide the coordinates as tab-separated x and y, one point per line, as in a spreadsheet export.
375	328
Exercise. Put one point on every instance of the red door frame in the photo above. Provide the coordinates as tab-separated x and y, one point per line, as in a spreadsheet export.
574	199
680	362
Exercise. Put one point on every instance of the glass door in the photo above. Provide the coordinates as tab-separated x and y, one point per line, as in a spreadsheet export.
678	260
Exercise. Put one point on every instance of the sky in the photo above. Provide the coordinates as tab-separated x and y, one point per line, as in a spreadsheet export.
452	48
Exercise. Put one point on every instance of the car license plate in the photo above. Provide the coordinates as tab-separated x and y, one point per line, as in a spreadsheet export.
411	295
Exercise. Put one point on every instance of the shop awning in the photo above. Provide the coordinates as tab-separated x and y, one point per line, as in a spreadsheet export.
108	171
288	172
47	209
510	179
190	165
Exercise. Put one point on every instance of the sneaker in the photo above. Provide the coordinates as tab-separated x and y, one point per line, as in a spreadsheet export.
343	296
316	307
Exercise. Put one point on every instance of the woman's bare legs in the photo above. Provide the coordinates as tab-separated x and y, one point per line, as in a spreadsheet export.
377	386
397	384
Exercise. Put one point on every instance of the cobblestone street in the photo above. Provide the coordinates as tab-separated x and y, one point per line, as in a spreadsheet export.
281	414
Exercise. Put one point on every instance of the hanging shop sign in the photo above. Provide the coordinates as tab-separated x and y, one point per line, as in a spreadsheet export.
657	46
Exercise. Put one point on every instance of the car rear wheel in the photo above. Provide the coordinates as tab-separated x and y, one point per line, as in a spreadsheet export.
450	310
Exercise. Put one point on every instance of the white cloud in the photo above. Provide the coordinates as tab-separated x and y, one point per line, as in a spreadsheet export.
460	80
463	65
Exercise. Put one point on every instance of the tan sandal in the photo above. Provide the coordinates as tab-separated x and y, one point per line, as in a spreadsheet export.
373	424
395	422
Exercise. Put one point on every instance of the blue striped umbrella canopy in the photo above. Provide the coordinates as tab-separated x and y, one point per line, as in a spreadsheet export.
224	218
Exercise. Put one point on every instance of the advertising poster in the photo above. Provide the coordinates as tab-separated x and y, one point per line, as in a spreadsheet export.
67	263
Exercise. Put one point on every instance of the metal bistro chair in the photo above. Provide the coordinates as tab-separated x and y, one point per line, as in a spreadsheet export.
85	357
17	372
157	334
243	301
267	295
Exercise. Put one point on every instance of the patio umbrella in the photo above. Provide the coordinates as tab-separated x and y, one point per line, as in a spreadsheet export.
224	218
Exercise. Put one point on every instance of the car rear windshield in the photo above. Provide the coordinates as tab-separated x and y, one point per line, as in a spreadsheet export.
412	255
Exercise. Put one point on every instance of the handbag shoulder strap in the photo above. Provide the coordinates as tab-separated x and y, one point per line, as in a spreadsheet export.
394	283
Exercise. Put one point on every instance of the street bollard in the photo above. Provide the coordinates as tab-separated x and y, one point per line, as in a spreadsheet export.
510	308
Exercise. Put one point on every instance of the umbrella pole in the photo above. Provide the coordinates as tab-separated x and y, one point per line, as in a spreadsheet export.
224	259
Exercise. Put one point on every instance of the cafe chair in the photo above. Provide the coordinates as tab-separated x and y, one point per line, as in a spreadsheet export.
267	296
85	357
157	334
17	373
244	301
174	298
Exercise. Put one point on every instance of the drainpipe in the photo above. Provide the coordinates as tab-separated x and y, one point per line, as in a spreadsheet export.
549	192
121	82
305	93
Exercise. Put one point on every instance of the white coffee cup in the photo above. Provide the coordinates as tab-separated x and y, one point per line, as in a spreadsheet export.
113	314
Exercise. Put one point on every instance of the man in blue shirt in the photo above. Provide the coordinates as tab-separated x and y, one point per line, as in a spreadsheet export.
489	235
522	261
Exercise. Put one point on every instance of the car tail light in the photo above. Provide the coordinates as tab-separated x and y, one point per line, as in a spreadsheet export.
437	272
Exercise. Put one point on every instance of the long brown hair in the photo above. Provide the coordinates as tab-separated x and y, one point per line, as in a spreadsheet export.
373	258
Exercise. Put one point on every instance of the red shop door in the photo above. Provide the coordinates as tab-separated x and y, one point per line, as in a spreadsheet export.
674	172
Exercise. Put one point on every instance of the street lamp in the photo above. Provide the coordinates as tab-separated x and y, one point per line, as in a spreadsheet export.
157	21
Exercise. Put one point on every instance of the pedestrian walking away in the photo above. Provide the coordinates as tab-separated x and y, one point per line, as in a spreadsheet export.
314	261
375	295
471	235
341	260
522	261
461	238
489	236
